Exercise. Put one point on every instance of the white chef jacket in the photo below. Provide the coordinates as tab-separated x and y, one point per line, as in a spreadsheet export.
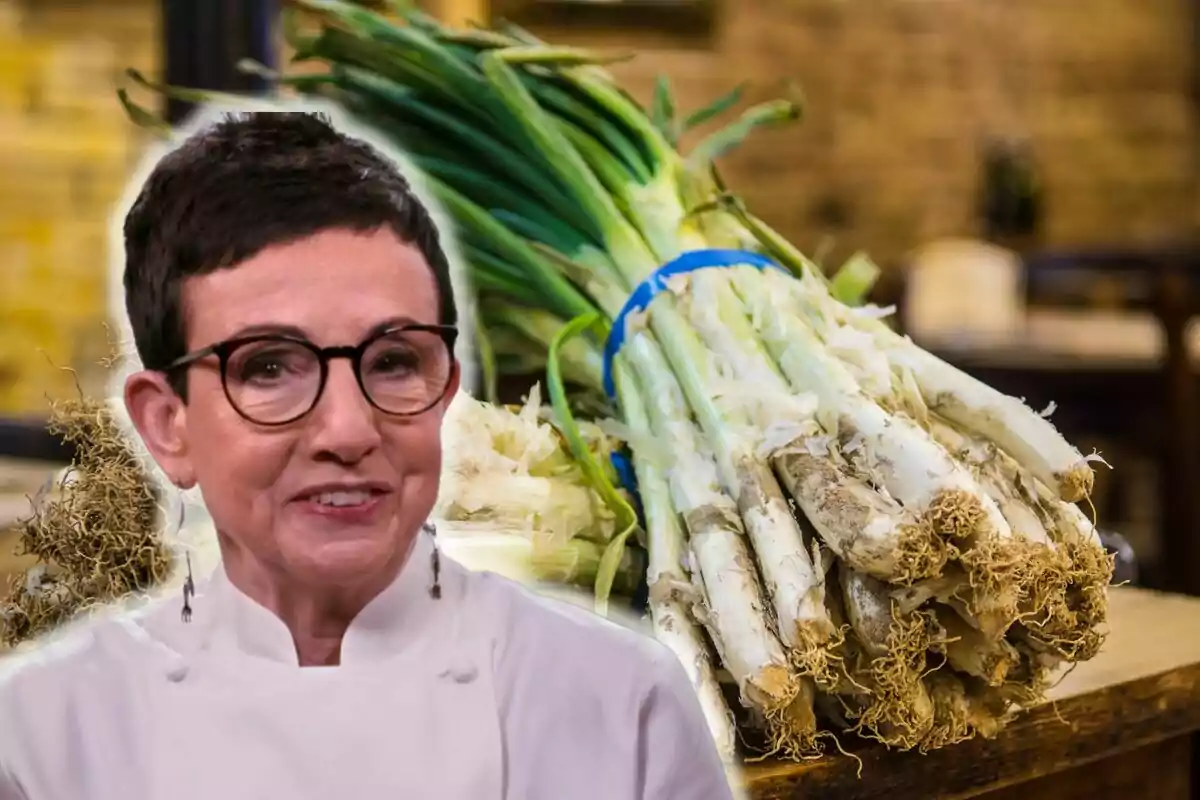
490	691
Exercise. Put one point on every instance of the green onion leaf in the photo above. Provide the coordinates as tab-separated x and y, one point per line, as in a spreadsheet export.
662	110
854	280
733	134
714	109
142	117
487	361
626	518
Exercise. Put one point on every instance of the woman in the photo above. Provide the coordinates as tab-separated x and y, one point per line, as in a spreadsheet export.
292	307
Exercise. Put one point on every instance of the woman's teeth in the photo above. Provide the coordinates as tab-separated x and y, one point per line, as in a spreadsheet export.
342	498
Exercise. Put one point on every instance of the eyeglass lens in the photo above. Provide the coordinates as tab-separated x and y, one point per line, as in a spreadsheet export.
273	381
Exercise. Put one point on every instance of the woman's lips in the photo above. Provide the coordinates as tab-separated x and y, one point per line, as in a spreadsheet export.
344	506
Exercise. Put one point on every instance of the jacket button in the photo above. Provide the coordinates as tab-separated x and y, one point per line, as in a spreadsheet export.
461	673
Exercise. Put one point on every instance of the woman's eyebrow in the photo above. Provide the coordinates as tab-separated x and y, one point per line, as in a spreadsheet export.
281	329
269	329
389	324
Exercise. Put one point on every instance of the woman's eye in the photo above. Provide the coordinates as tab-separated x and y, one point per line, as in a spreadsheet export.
394	362
271	366
262	368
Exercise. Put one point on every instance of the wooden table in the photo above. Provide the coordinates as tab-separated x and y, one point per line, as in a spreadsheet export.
1124	725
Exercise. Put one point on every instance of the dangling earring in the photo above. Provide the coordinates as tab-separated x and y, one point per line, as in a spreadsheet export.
189	585
189	591
435	591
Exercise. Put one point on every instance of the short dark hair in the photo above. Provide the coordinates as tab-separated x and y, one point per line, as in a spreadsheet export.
247	182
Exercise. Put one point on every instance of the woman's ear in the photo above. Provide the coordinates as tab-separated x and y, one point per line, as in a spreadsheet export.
160	416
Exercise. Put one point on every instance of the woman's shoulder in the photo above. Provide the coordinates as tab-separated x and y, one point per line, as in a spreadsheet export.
554	654
69	657
556	628
37	685
48	659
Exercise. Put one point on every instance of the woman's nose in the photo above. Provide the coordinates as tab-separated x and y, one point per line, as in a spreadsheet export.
344	422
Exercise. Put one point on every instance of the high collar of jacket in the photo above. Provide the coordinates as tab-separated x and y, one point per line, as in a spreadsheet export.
404	618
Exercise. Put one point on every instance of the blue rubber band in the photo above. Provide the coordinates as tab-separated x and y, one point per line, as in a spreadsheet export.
648	289
628	479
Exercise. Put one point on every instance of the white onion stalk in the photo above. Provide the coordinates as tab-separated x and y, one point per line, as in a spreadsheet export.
970	651
733	606
1073	526
670	588
1026	435
728	432
1076	629
676	352
959	712
1039	569
891	449
898	709
1000	476
794	580
870	530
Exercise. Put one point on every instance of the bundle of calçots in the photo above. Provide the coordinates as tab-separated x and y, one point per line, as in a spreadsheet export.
866	538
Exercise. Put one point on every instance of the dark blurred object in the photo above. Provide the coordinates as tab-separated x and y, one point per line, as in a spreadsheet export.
203	41
29	440
1126	569
621	23
1165	281
1118	278
1011	195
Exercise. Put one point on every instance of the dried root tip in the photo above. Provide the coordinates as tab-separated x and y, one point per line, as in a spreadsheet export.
919	555
1055	633
1010	577
96	539
1076	483
1060	633
1022	695
773	687
1028	681
1071	625
898	710
792	724
909	642
970	651
814	654
955	514
1088	579
1047	573
990	709
952	713
901	721
995	574
963	709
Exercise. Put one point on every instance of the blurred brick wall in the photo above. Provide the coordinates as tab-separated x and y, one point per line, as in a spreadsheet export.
65	151
901	93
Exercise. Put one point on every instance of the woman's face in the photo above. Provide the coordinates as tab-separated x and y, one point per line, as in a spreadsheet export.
270	489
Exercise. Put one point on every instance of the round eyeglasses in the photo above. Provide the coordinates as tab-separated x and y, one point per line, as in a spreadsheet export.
276	379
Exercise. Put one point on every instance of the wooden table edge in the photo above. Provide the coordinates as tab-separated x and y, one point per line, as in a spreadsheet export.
1141	712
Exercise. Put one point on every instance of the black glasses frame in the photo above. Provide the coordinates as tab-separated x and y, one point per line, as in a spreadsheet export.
223	350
